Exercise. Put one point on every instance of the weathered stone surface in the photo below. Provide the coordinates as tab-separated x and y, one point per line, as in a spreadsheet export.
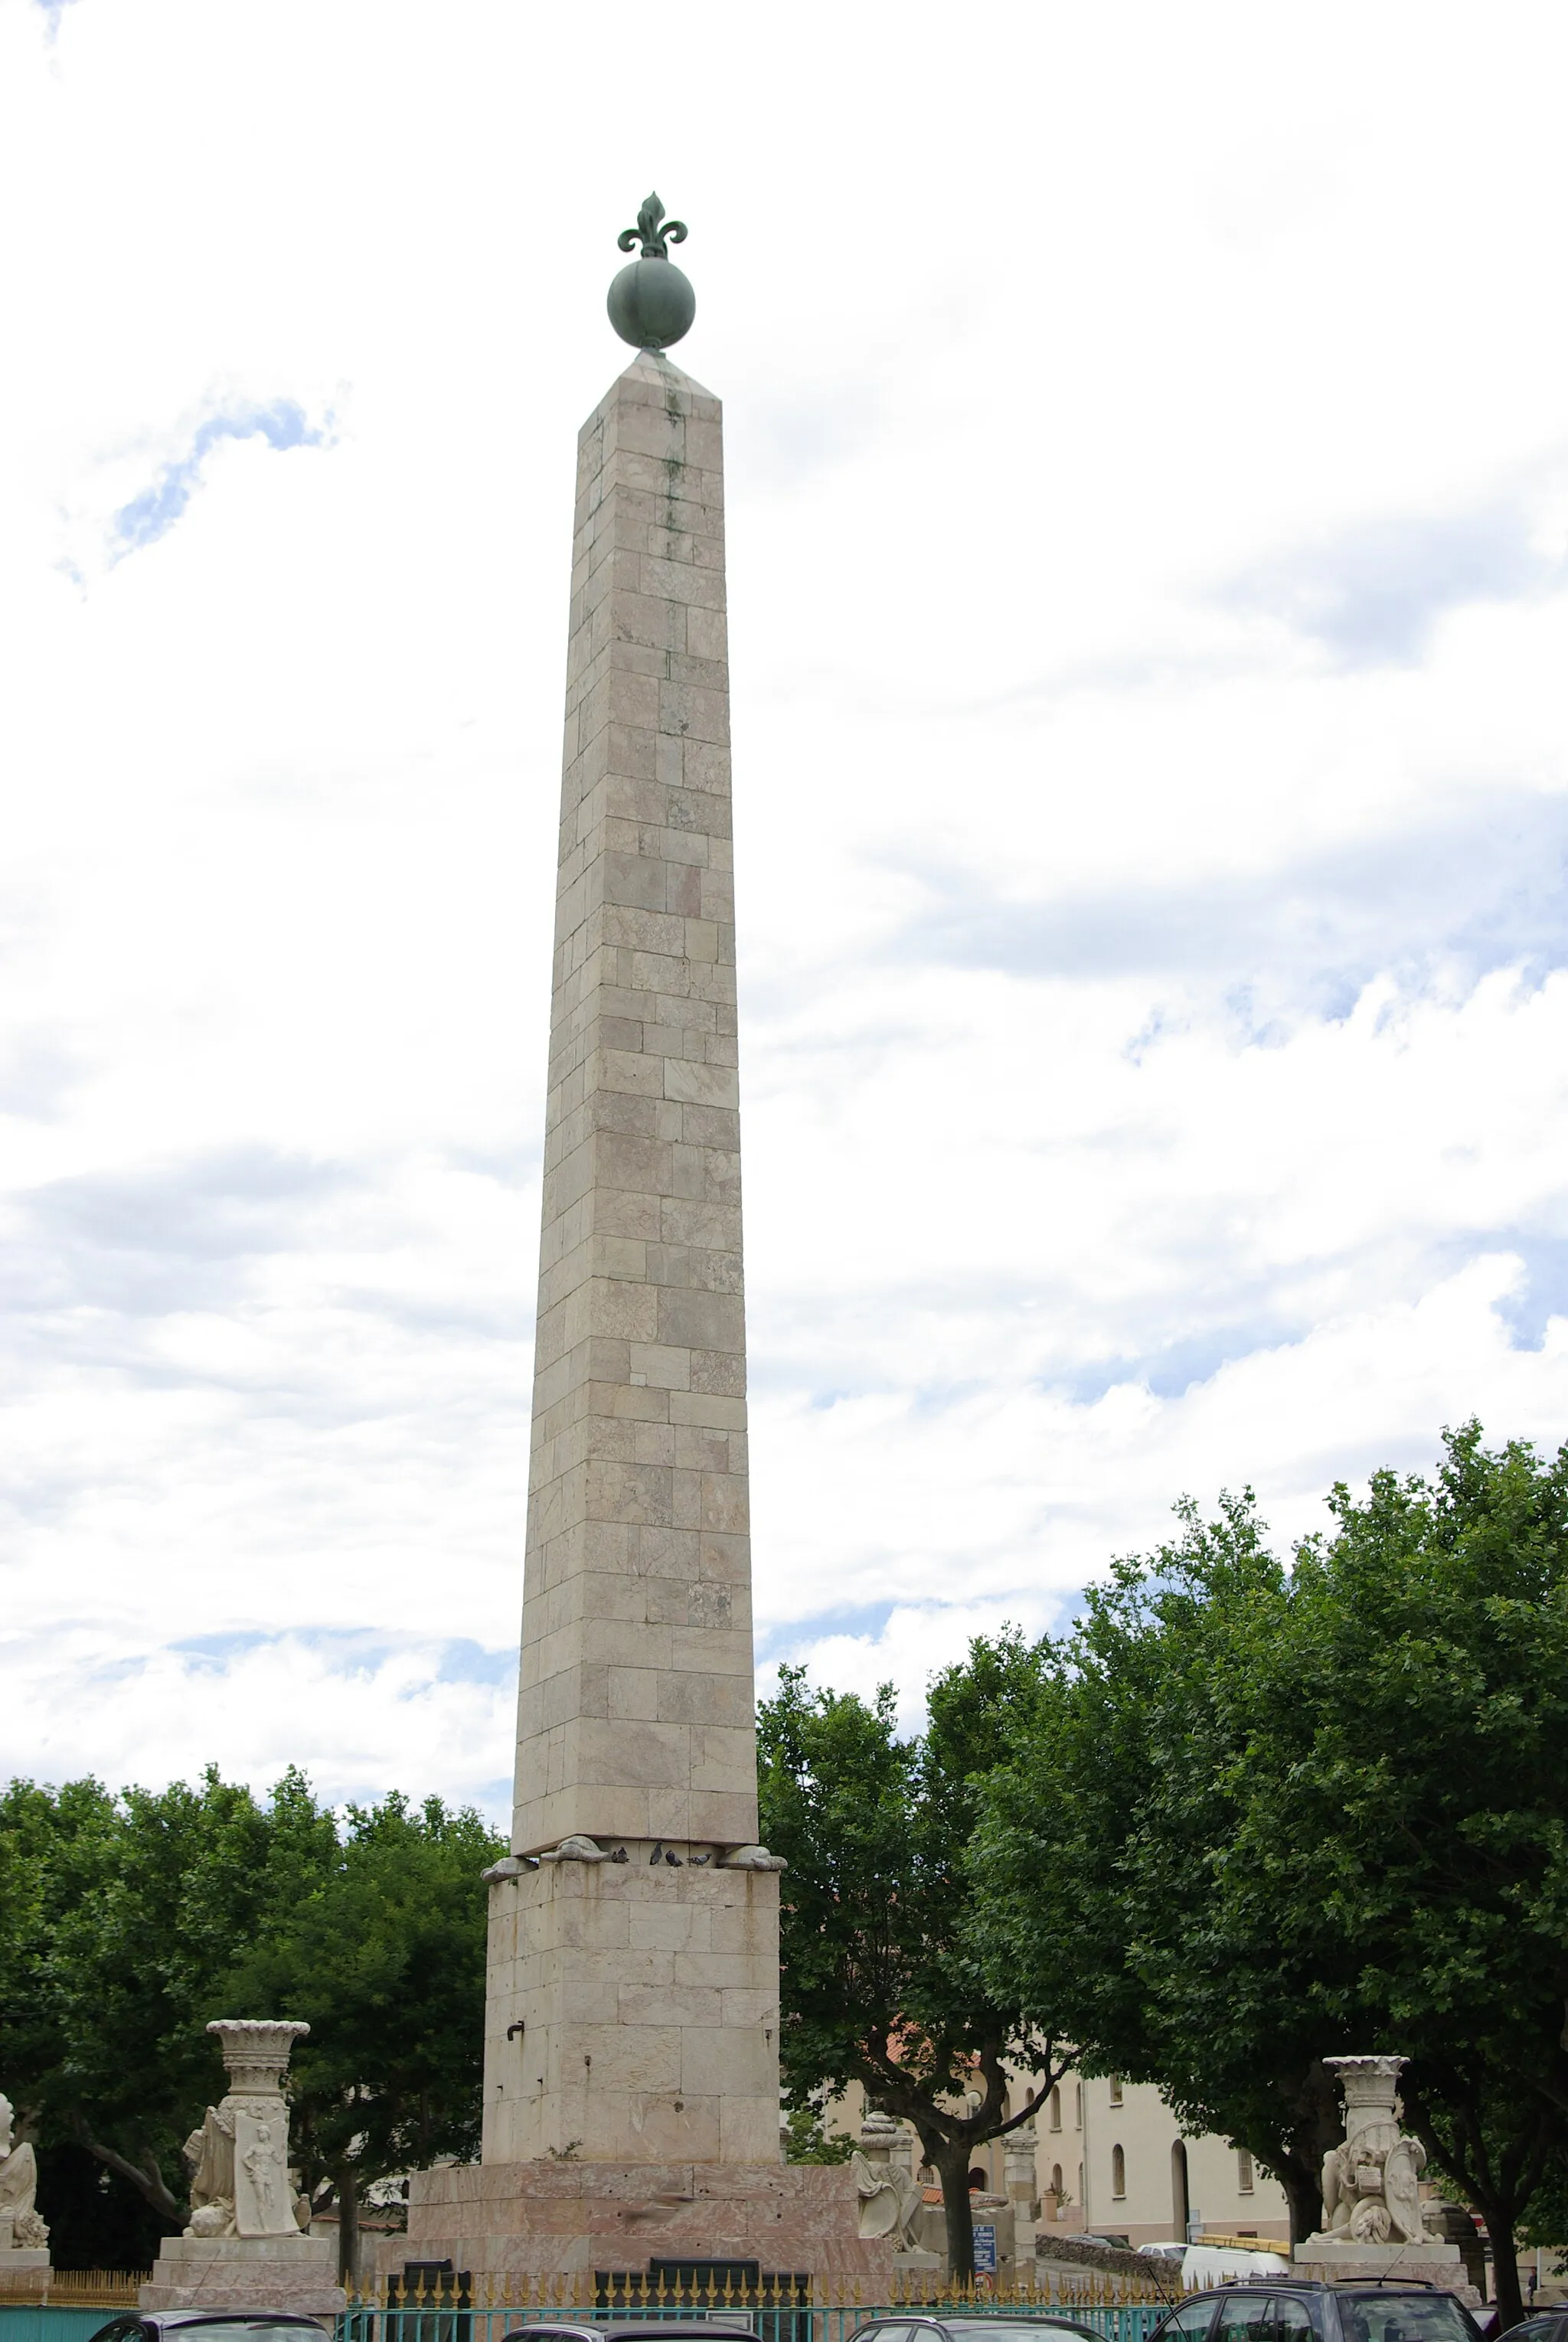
294	2273
545	2218
632	2006
23	2268
639	1416
633	2012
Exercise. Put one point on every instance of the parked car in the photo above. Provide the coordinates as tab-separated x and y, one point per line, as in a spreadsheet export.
1546	2325
1208	2264
1303	2309
211	2326
633	2328
915	2326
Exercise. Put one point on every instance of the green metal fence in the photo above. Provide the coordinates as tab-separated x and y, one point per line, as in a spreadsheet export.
776	2320
35	2321
456	2319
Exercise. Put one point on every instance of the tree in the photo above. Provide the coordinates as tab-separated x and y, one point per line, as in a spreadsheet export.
806	2141
1427	1771
877	1983
132	1907
127	1922
1273	1816
384	1959
1095	1856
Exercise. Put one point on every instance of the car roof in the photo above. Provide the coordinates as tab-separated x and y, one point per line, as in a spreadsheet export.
1261	2281
249	2315
633	2328
1048	2323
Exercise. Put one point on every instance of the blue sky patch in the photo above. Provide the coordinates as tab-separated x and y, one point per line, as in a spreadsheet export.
154	512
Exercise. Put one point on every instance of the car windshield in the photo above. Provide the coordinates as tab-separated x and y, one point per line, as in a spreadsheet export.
1403	2317
245	2329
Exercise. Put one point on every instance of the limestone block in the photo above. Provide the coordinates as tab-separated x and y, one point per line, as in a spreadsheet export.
23	2268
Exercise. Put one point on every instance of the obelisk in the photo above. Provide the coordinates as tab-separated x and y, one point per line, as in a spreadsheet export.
631	2058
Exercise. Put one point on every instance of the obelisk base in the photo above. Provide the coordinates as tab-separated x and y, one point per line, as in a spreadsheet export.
530	2220
293	2272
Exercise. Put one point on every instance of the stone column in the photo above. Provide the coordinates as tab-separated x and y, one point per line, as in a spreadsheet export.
1018	2153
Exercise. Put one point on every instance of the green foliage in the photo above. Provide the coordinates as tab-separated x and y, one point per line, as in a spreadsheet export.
127	1922
384	1959
879	1984
1251	1818
806	2141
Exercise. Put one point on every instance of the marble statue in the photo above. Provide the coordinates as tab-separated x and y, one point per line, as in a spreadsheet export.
209	2154
1370	2190
248	2246
238	2159
21	2229
890	2197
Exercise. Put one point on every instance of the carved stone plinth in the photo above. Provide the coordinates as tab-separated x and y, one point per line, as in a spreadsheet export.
293	2272
540	2218
1429	2262
23	2268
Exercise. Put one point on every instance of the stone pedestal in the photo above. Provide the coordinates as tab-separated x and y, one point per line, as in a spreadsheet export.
633	2012
293	2272
536	2220
1428	2263
23	2268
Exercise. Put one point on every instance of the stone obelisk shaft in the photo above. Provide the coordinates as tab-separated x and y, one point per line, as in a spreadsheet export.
633	2003
635	1707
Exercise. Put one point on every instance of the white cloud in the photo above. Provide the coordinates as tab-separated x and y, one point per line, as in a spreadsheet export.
1148	508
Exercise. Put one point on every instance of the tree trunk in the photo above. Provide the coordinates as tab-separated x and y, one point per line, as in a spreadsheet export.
1305	2196
145	2177
951	2158
347	2181
1317	2125
1505	2273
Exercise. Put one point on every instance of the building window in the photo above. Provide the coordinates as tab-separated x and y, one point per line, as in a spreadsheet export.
1115	2090
1077	2106
1118	2172
1244	2170
1057	2181
1055	2109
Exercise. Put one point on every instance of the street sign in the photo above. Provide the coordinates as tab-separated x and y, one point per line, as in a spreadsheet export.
985	2248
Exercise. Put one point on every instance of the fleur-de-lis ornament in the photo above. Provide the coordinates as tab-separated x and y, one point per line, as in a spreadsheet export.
651	304
654	237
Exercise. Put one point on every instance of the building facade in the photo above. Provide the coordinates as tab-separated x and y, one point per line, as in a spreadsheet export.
1110	2156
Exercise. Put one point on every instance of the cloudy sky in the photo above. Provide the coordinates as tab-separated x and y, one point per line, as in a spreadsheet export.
1148	463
